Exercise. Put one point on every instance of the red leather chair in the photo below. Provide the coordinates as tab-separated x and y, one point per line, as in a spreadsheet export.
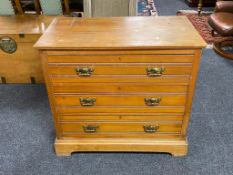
222	22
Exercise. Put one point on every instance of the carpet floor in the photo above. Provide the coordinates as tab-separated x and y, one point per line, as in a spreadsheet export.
27	134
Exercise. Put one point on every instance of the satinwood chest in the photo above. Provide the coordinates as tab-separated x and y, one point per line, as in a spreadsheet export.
121	84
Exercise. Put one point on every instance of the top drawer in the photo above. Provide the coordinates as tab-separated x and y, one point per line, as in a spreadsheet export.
120	66
158	58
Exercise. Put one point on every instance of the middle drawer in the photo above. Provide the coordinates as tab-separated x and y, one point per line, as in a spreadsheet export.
121	100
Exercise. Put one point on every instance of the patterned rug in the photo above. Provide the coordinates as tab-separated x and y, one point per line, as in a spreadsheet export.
201	24
146	8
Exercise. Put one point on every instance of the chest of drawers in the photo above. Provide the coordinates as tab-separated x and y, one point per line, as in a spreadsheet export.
121	84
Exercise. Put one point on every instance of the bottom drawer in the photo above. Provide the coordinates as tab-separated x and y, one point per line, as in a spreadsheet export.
119	128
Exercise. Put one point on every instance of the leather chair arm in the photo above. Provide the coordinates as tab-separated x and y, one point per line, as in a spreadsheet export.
224	6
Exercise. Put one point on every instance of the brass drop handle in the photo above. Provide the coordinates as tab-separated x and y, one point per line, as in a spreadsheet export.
155	72
87	101
84	71
152	101
90	129
151	128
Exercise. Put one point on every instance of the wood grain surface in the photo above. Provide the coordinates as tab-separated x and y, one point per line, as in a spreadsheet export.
24	65
121	33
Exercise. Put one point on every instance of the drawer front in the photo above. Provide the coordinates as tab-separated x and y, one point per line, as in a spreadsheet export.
118	127
120	69
120	100
182	79
110	109
116	88
119	117
119	58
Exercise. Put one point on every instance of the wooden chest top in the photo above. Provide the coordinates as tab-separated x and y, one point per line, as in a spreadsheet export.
121	33
13	25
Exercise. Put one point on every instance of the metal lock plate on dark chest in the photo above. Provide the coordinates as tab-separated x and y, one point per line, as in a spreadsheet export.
8	45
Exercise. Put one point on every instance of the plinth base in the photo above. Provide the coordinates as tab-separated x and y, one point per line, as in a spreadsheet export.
174	147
